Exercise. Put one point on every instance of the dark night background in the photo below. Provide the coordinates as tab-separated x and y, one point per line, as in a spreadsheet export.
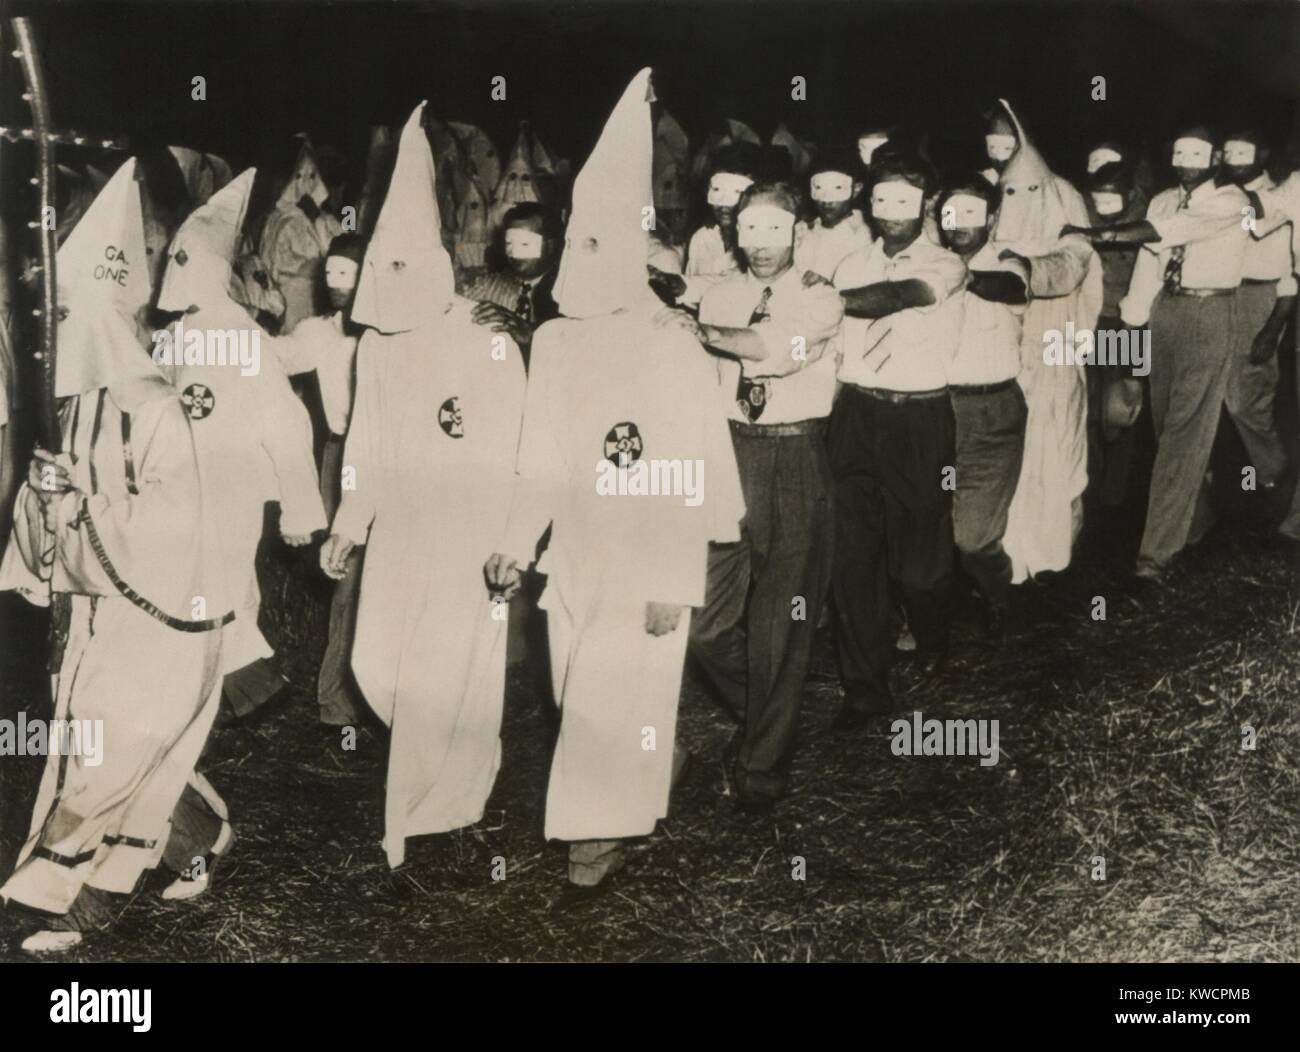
333	68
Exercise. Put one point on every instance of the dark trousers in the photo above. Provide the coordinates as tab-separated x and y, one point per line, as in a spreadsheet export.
893	531
1110	457
990	447
337	692
753	637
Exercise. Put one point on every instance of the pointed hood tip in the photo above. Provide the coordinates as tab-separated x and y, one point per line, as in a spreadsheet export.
407	277
103	282
1027	162
201	255
603	265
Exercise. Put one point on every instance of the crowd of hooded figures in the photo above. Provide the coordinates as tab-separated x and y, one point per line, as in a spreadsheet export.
848	355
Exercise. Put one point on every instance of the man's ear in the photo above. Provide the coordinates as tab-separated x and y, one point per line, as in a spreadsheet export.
857	187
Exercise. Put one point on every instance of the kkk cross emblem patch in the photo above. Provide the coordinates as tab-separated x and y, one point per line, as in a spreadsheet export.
198	400
450	418
623	444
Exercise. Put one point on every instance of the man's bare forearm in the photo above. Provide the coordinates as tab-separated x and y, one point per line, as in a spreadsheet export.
744	344
886	297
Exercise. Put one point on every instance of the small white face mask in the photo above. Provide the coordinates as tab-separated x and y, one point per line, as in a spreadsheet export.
1102	155
765	226
523	244
1000	147
964	210
832	187
868	145
725	189
341	273
895	200
1192	153
1107	204
1238	151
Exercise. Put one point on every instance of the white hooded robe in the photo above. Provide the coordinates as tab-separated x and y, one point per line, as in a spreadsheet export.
607	382
127	547
428	470
1064	287
253	434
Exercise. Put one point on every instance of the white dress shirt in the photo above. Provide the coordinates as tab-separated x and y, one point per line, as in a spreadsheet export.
802	323
1269	256
912	349
1209	225
988	347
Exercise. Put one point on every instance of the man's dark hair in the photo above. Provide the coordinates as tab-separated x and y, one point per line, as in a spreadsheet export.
909	167
838	159
528	211
1115	173
349	246
1248	133
789	195
1198	131
738	158
973	186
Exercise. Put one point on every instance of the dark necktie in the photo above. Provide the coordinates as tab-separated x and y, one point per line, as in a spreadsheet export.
524	308
751	395
1174	268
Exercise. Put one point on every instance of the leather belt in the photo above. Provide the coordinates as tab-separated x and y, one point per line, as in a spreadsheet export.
898	397
1260	281
801	427
1001	385
1201	293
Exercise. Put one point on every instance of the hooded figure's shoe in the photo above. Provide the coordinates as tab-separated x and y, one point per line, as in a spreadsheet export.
191	884
50	941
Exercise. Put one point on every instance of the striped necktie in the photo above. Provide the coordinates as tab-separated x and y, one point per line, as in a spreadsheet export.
752	395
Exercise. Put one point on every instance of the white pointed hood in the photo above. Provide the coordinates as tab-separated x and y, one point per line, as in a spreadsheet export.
1035	202
291	193
103	285
603	268
200	255
472	227
406	278
518	182
543	163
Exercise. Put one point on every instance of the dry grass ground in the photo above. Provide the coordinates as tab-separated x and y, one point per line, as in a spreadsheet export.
1120	738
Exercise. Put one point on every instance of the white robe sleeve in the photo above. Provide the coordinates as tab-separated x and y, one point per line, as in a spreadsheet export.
149	536
723	495
301	351
675	536
1062	270
287	439
363	454
21	569
540	474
